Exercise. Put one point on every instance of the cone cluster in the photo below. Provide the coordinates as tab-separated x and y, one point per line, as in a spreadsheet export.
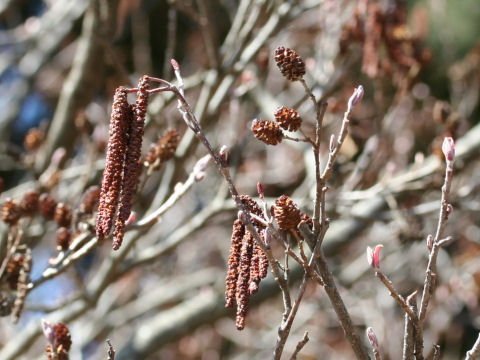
247	265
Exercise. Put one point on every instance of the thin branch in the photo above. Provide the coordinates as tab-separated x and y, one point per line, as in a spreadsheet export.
300	346
398	298
474	352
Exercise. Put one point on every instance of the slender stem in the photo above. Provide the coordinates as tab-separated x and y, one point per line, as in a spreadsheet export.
474	352
300	346
398	298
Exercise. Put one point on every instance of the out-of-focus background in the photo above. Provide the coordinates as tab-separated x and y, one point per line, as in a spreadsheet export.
419	62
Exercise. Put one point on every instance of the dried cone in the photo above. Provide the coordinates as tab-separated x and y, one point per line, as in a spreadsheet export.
164	149
288	118
11	212
238	232
267	131
33	139
132	168
63	238
47	205
60	340
29	203
286	213
290	63
243	281
63	215
115	160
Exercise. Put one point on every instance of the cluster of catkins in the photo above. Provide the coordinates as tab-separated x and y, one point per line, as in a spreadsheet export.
247	263
122	167
60	341
292	67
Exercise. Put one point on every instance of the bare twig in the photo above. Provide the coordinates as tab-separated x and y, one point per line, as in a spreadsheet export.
409	332
111	350
398	298
300	346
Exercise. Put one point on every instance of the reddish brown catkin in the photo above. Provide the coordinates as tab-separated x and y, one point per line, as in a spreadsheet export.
243	282
112	175
238	232
132	166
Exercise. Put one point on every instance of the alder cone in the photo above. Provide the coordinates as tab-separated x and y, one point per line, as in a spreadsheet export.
286	213
47	205
288	119
11	212
63	215
267	131
291	64
29	203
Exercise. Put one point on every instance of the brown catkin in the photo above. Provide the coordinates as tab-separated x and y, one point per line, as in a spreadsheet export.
12	271
243	281
288	119
29	203
262	262
163	150
267	131
254	208
115	159
291	64
22	285
254	272
286	213
63	215
11	212
132	167
233	262
47	205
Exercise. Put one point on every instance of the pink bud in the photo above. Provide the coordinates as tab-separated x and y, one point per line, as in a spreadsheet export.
261	194
200	176
331	145
202	163
372	338
356	97
373	256
131	218
48	331
175	65
449	209
448	148
429	242
224	154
